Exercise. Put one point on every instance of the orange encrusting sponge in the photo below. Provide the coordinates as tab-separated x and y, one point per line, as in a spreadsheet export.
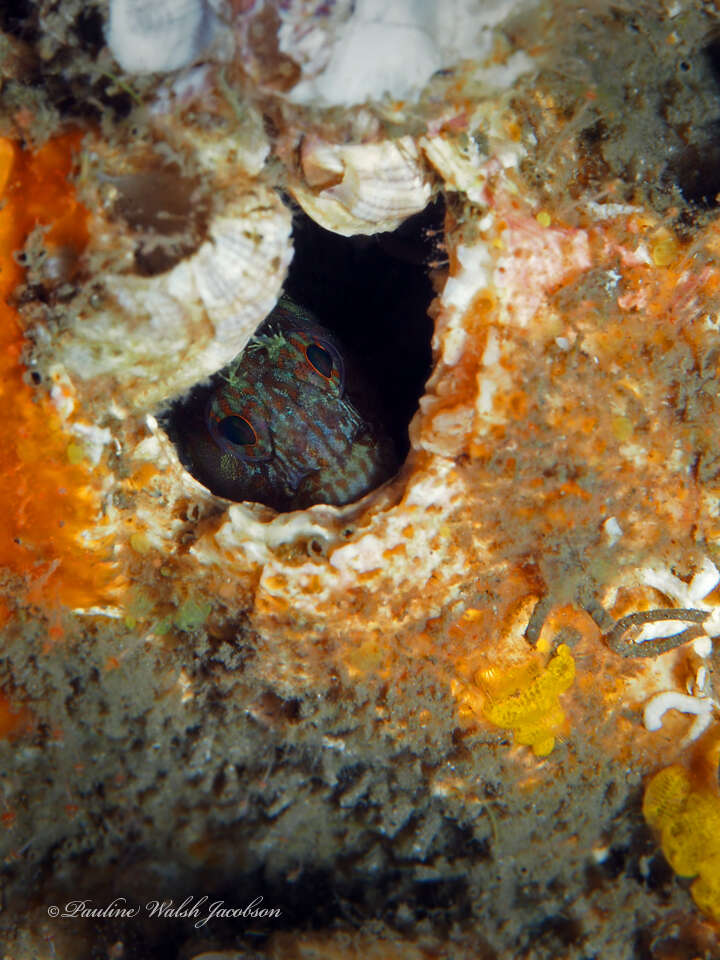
47	500
688	821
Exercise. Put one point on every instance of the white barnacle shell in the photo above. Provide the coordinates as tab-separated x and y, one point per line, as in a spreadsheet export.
240	271
385	47
161	35
361	188
156	336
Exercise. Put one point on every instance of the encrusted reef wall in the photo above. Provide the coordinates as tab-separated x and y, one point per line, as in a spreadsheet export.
472	714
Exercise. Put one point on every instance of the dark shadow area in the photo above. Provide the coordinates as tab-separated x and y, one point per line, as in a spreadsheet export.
374	293
712	55
696	170
17	19
155	907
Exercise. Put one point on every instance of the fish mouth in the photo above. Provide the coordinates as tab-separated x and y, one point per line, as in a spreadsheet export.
294	474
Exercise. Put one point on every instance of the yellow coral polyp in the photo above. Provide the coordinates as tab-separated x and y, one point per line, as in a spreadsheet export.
525	699
688	821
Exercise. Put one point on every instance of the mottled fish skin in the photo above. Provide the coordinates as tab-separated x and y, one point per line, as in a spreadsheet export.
280	426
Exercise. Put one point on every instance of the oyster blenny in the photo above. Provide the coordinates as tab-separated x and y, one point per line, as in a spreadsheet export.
288	423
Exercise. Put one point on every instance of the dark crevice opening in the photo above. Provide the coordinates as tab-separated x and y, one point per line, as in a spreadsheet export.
696	169
372	293
711	52
18	20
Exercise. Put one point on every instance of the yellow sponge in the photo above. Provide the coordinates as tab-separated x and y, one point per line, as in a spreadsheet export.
666	796
688	821
526	699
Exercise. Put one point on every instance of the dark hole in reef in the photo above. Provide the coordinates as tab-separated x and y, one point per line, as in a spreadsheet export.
18	19
89	27
561	930
711	52
696	169
372	293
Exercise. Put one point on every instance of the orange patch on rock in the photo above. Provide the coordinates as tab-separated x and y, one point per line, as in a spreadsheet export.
48	501
13	720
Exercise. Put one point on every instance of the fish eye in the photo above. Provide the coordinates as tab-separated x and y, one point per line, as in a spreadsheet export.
238	431
320	360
